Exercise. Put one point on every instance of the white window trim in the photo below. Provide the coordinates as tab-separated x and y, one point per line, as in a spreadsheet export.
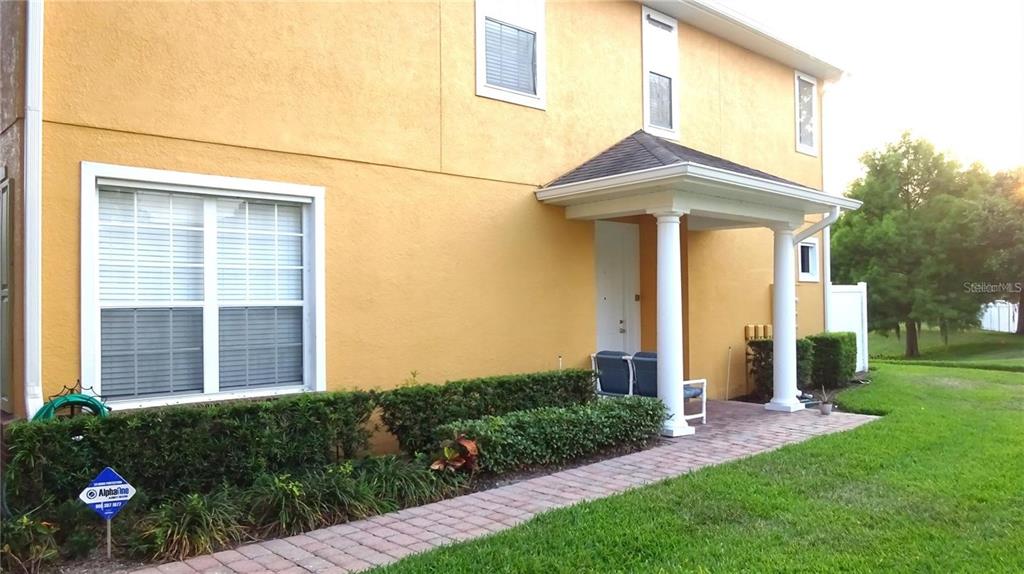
815	115
527	15
314	351
665	64
815	275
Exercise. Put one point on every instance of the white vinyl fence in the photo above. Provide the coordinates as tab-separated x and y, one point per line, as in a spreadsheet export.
999	316
848	311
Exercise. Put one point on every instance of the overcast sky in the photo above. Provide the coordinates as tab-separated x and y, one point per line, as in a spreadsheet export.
951	72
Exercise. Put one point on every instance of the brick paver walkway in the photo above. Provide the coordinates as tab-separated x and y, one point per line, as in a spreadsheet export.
734	430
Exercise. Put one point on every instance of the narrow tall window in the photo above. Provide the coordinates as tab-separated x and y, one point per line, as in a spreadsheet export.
661	72
806	95
510	54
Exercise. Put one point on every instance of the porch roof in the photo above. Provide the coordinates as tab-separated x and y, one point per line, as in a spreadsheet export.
647	174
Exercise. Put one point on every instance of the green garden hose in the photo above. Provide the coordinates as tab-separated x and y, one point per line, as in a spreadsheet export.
93	404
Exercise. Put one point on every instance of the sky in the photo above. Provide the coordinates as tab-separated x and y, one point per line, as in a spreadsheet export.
950	72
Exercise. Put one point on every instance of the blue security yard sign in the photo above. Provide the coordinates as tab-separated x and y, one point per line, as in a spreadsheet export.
107	494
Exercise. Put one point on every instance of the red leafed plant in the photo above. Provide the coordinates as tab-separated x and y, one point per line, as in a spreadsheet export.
458	453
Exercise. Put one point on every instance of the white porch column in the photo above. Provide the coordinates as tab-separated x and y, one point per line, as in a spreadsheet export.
784	324
670	323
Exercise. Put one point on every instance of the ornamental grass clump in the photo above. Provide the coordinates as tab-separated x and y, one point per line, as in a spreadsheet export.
193	524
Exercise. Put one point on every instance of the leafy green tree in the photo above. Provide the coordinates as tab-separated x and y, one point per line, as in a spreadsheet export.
916	240
1005	212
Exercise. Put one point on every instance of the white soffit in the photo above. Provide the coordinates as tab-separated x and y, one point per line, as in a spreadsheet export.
742	31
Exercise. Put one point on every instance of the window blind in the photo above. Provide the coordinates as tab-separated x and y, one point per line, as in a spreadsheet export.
805	93
153	261
661	100
511	57
260	346
148	352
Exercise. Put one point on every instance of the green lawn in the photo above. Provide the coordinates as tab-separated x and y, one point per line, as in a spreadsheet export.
973	348
935	486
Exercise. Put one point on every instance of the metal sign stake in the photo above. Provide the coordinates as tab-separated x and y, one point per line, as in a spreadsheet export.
108	539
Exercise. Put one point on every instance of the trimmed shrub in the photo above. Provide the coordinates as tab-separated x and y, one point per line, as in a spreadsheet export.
762	364
835	359
553	435
413	413
173	451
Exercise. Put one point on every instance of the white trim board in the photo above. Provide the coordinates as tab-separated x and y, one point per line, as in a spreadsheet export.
93	175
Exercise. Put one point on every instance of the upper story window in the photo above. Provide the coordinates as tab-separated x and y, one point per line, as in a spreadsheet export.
192	292
661	74
806	96
809	259
510	51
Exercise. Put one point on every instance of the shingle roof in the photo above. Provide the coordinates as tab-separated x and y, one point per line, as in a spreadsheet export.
641	150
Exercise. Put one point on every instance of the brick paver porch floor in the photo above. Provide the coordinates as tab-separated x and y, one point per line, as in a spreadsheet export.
734	430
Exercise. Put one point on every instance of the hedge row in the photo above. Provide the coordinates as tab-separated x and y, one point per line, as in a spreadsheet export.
762	364
172	451
824	360
553	435
414	413
835	359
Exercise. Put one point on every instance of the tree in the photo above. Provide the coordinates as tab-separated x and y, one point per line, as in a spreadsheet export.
1005	208
916	239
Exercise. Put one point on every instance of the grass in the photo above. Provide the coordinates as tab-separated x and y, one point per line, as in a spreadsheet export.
976	347
935	486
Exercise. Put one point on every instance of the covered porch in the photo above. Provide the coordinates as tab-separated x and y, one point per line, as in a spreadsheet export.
645	176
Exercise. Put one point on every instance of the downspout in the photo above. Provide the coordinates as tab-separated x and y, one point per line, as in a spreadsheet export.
831	218
825	227
826	276
33	185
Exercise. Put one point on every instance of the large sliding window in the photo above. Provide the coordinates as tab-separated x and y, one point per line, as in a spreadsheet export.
197	292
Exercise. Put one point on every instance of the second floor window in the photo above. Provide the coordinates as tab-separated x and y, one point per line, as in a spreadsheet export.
806	114
510	51
661	72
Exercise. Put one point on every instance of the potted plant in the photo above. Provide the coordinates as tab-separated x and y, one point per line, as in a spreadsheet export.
826	398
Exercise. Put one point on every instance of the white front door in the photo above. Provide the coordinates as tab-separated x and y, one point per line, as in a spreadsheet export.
617	250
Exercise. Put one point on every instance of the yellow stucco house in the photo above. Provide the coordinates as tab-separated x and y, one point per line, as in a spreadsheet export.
218	200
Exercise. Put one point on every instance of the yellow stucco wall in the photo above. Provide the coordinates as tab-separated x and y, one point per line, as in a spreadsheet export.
439	258
445	275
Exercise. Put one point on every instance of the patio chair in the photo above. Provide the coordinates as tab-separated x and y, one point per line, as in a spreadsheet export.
645	383
613	373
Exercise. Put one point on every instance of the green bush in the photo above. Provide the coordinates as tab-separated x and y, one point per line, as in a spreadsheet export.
835	359
413	413
762	365
280	504
557	434
178	450
26	543
193	524
399	483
